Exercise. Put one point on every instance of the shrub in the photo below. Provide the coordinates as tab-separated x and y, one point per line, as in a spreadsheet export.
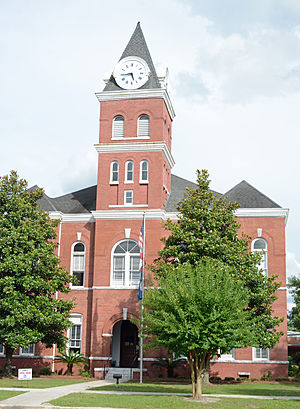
86	373
266	377
282	379
229	379
253	379
215	379
45	370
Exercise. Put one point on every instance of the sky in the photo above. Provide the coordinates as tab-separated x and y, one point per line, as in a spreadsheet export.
234	83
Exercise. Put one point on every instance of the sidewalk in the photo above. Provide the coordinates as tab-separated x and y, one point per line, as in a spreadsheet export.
36	397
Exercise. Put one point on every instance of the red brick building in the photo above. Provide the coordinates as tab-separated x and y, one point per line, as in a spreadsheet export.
99	226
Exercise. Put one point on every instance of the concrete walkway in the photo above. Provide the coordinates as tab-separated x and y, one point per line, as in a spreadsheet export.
36	398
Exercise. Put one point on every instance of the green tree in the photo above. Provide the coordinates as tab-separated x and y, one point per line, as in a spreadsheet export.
195	311
30	274
207	228
294	315
71	358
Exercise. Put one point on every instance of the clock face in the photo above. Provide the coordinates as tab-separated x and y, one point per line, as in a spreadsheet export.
131	73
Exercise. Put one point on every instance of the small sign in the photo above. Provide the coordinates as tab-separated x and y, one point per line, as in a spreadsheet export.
25	374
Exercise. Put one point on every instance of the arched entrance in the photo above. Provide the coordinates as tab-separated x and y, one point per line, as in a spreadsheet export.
125	345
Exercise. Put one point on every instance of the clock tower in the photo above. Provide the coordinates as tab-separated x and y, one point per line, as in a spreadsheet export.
134	149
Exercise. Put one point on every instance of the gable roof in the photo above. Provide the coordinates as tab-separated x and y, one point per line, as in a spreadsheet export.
137	47
84	200
248	196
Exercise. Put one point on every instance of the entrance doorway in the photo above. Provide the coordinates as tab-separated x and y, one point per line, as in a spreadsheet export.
125	345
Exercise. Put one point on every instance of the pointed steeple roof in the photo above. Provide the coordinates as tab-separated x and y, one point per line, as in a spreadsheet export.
137	47
248	196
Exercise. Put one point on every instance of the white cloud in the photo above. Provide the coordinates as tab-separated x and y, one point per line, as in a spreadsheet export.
292	265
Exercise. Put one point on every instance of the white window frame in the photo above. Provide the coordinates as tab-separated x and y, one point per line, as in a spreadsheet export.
25	353
1	349
143	135
126	196
254	350
141	172
126	172
228	357
126	282
81	253
263	265
114	130
76	319
112	172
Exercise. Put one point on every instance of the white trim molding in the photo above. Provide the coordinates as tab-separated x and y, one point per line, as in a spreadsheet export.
138	94
136	147
263	212
153	214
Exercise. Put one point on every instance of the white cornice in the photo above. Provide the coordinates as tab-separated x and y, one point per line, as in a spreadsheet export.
72	217
136	147
153	214
138	94
263	212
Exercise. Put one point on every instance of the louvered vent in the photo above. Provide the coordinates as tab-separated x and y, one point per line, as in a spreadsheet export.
144	126
118	127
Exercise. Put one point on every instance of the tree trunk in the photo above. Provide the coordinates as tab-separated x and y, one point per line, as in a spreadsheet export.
8	373
205	370
198	365
70	369
191	364
170	372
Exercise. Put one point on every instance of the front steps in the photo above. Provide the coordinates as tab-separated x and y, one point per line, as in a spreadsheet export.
127	374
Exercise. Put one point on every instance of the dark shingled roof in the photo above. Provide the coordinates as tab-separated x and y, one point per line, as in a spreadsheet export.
137	47
84	200
178	189
248	196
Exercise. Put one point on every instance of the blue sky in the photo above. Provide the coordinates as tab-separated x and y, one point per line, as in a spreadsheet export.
235	85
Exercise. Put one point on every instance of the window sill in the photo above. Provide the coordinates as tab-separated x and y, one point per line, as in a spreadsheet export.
113	183
128	205
128	182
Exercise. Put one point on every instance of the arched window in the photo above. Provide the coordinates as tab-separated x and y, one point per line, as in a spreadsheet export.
143	126
144	171
129	168
125	264
118	127
260	245
78	264
114	172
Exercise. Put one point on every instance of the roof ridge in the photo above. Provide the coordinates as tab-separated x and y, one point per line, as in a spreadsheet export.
252	187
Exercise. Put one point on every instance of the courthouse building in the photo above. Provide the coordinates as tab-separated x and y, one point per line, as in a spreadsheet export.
99	228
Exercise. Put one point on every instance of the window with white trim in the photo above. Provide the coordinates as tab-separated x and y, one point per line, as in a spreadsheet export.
114	172
143	126
118	127
144	168
129	169
29	350
128	197
261	353
228	357
75	333
126	264
78	264
1	349
260	245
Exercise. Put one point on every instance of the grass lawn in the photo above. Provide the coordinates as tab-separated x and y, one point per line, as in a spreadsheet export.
166	402
40	382
9	394
264	389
